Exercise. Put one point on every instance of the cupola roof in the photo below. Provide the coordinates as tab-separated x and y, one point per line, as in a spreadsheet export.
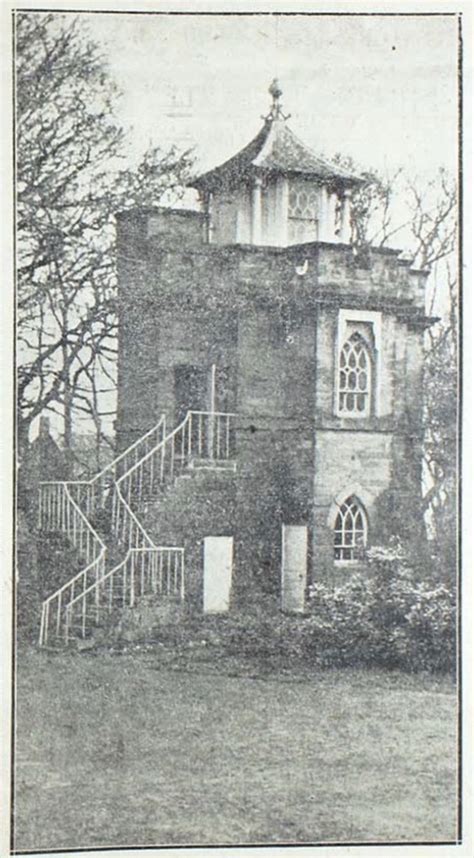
277	150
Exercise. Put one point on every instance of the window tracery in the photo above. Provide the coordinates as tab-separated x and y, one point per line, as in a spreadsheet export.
355	371
350	530
302	214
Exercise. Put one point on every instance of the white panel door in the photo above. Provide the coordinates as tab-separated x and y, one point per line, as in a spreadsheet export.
294	552
218	555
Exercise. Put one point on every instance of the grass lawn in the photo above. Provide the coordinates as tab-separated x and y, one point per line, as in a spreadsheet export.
131	750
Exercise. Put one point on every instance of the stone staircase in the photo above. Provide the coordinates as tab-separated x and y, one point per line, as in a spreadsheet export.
121	561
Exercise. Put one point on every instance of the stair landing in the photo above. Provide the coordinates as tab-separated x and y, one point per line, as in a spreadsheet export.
213	464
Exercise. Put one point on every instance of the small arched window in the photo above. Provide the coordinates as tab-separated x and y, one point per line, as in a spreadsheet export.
350	530
355	376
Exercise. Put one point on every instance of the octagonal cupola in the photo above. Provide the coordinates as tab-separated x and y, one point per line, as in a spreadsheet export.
276	191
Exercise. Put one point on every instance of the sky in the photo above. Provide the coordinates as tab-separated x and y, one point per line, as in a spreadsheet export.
382	89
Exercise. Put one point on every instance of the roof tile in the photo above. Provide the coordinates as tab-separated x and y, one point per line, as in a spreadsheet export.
275	149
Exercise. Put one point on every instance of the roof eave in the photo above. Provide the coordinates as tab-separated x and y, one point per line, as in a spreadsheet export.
210	183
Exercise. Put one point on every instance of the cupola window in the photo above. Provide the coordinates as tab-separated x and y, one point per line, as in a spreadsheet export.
302	214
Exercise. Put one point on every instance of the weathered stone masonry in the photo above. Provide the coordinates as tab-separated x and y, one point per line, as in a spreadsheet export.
245	308
274	319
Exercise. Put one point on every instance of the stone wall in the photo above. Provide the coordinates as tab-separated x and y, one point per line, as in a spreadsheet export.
270	316
200	504
347	463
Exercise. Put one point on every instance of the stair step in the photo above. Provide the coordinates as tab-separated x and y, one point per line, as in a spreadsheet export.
213	464
100	516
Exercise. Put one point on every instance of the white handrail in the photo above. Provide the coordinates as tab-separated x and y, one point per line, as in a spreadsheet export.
208	434
134	519
73	580
130	552
140	578
156	449
93	543
214	413
165	440
57	596
84	518
102	580
111	465
66	487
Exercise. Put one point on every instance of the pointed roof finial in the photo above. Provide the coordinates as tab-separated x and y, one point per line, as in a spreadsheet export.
276	93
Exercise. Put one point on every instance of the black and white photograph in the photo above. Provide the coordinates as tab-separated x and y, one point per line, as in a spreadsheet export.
237	295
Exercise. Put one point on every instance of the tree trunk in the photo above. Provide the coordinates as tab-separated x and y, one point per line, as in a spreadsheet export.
67	410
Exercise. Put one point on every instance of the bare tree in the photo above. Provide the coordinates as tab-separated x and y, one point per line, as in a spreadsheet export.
374	218
70	182
423	216
434	235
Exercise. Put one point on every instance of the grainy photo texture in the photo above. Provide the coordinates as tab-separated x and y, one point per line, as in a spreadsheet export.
237	369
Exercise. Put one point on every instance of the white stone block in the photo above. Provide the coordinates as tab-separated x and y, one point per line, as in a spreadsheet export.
218	562
294	556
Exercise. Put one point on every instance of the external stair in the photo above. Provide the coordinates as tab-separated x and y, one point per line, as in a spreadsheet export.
103	520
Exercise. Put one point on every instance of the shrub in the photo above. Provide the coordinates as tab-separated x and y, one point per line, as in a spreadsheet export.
261	631
384	617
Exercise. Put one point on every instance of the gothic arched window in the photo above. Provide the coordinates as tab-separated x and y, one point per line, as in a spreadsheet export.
355	376
350	530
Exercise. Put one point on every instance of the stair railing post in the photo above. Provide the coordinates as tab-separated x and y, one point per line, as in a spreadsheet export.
67	624
132	581
175	572
161	560
172	457
181	558
58	614
41	633
190	430
65	509
151	475
97	579
114	509
217	419
210	428
139	482
124	584
162	462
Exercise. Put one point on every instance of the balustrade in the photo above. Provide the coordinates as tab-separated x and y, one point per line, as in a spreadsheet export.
203	438
158	571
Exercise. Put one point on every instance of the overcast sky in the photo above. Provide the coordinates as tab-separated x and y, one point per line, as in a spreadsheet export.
382	89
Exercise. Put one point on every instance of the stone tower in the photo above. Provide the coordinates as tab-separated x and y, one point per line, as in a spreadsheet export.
258	307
